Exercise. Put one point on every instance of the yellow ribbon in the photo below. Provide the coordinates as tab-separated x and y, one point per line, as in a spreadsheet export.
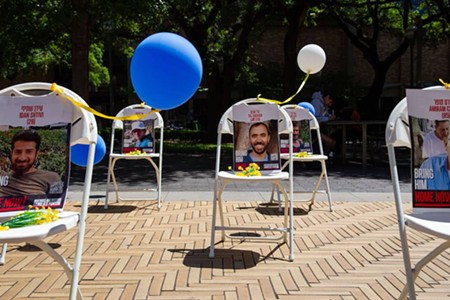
288	99
446	85
55	87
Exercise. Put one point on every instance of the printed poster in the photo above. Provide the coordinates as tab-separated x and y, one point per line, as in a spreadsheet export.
34	151
256	136
301	134
429	119
138	134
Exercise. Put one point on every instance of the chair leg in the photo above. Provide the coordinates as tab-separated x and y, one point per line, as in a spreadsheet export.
59	259
113	176
288	221
2	256
213	227
158	179
316	187
330	205
216	203
420	264
108	181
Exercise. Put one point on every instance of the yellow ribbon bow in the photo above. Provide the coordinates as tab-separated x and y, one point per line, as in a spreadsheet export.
288	99
446	85
56	88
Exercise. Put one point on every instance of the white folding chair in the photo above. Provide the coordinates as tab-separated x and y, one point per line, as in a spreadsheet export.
83	131
297	113
157	152
435	222
223	178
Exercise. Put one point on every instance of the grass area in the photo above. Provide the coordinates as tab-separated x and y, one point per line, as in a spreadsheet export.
174	146
178	141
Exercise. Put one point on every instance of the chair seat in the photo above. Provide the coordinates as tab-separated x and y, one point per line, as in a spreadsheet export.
435	223
140	156
264	177
310	157
66	221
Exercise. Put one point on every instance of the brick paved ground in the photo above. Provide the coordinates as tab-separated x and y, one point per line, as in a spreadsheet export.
134	251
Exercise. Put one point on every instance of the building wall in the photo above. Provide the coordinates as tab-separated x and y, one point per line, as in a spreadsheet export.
343	57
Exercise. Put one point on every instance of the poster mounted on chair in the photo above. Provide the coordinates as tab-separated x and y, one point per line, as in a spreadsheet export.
429	120
138	134
34	151
256	136
301	132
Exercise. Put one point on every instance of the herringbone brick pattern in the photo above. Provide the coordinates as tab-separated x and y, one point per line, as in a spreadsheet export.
134	251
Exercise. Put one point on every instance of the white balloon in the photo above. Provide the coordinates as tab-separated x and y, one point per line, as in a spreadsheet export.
311	58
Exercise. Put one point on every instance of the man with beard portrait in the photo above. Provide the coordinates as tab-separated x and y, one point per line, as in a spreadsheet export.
25	178
259	137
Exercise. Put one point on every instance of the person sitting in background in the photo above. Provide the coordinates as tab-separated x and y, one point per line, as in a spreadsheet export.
322	101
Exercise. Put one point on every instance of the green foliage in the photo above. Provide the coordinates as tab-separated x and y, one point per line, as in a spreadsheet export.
194	148
184	135
98	73
34	36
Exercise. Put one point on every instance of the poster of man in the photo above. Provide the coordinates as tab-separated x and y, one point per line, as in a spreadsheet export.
301	132
138	134
34	160
256	137
429	115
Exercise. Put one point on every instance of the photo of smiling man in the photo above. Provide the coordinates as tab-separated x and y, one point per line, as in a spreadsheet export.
259	137
25	178
255	135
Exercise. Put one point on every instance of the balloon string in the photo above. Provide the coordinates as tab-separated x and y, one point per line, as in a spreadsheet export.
56	88
446	85
288	99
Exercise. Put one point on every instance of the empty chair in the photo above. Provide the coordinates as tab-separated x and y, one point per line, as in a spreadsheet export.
305	122
246	120
142	139
432	221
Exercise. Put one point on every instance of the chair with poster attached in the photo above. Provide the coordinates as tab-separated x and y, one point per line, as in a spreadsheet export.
433	221
248	121
44	121
142	139
303	123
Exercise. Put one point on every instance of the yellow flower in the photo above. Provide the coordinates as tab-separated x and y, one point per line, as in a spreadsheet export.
251	170
301	154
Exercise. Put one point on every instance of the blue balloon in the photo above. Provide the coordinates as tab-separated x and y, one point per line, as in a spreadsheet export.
79	152
165	70
308	106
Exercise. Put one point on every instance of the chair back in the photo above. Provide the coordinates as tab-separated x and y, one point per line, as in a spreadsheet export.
305	122
31	113
398	134
43	106
236	121
150	122
297	113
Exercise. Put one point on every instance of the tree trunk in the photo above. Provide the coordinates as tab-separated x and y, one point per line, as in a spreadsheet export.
219	96
372	100
295	17
80	49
